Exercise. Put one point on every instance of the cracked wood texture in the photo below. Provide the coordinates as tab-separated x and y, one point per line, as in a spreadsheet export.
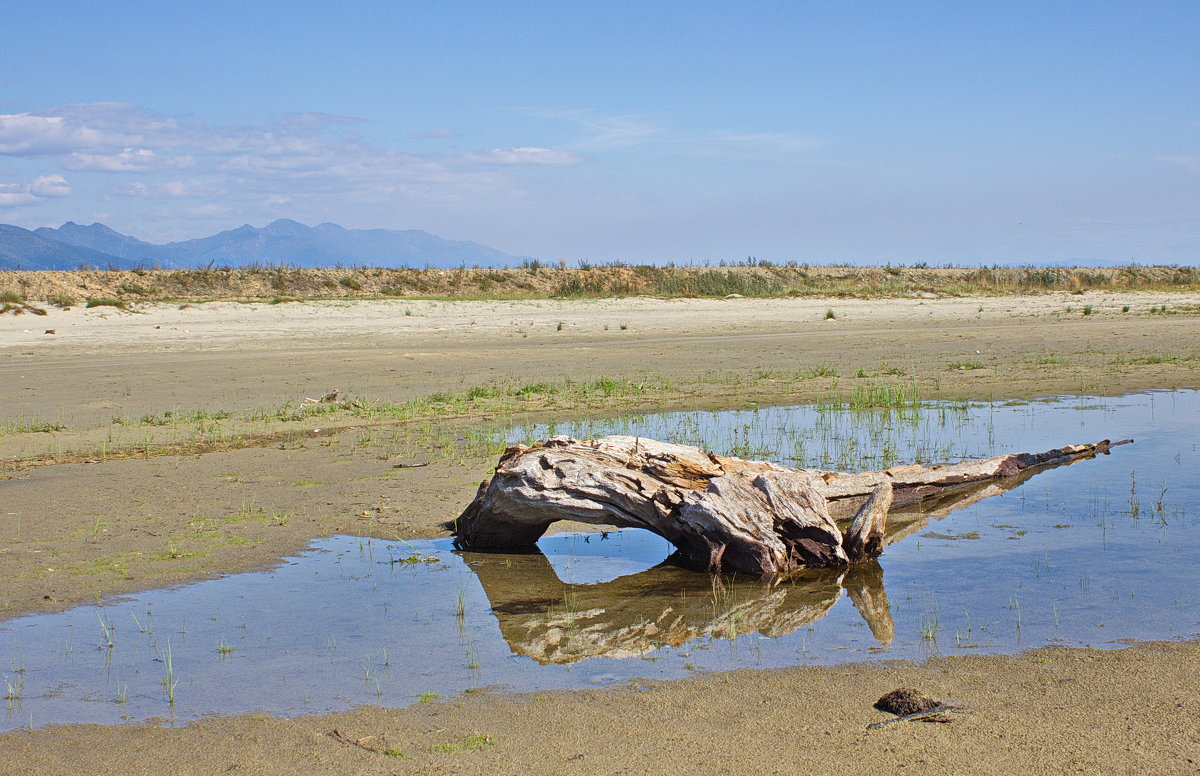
722	514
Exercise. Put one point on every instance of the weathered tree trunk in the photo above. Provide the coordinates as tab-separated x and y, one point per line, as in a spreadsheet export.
722	514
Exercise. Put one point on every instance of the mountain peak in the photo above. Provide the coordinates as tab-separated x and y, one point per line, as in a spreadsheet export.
283	241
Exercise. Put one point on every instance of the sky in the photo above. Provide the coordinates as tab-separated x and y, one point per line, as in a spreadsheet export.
820	132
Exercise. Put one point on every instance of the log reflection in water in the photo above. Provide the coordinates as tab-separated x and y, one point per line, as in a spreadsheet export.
551	621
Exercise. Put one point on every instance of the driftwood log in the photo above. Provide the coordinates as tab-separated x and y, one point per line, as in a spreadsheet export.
722	514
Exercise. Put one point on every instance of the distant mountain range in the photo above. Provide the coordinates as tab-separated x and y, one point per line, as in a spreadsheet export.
71	246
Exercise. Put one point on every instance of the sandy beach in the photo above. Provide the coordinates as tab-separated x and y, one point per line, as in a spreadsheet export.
79	523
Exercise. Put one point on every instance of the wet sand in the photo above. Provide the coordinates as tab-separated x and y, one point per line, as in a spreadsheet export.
76	531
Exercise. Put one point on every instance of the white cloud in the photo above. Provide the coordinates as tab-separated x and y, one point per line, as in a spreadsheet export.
126	160
602	132
39	190
524	155
25	134
12	195
174	189
50	186
309	158
777	141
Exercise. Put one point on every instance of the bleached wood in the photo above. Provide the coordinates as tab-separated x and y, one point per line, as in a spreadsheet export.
721	513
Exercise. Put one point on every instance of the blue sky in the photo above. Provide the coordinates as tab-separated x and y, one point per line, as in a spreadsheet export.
1015	132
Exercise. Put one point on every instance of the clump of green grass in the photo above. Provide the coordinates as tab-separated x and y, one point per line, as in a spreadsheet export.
106	301
169	680
883	396
350	283
62	300
31	425
717	283
967	365
283	299
472	743
1150	359
134	288
930	625
822	370
1050	360
14	302
830	314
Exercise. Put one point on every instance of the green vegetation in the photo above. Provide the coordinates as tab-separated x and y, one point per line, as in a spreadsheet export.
930	625
14	302
883	396
169	680
751	277
472	743
106	301
30	425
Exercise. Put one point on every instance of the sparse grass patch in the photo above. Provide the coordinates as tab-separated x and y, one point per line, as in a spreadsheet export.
471	744
1151	359
967	365
31	426
1046	360
106	301
716	283
14	302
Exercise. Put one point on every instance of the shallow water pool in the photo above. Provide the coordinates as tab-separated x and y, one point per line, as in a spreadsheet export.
1095	553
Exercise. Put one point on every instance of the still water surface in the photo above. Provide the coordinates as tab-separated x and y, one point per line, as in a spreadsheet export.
1092	554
